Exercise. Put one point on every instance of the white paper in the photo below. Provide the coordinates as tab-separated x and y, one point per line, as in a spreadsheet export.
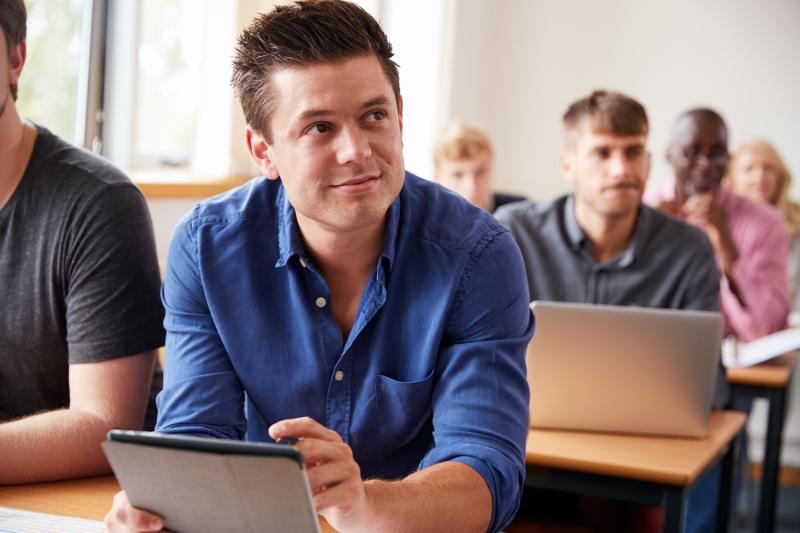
737	354
19	521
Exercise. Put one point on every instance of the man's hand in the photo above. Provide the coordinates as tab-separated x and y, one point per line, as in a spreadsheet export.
702	211
124	517
672	207
334	476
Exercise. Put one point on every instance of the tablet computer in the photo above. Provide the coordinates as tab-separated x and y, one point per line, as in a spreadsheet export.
202	485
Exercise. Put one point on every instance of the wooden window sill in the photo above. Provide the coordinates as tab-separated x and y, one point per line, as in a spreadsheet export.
185	186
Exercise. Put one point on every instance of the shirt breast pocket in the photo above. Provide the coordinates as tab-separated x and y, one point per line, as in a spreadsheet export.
403	408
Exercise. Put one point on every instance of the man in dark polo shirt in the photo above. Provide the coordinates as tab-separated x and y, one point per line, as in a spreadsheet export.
602	245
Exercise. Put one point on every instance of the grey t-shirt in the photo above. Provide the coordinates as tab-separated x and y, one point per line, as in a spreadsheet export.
79	278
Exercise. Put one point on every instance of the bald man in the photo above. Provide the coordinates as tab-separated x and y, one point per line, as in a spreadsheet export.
749	247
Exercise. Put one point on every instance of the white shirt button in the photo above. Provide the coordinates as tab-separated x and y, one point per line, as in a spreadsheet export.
302	262
339	375
321	302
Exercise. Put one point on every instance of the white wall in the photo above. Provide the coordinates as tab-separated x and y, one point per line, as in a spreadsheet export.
418	31
524	61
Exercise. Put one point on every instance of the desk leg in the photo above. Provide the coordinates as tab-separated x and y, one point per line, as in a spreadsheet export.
771	464
674	510
726	484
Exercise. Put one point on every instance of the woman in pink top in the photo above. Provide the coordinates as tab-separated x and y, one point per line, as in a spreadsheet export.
758	172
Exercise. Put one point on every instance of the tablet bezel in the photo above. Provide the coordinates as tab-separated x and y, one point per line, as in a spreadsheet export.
206	444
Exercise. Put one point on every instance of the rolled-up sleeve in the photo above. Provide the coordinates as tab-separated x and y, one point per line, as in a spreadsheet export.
202	394
480	403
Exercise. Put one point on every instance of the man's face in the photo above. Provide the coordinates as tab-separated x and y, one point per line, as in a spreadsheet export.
336	143
607	171
471	178
699	153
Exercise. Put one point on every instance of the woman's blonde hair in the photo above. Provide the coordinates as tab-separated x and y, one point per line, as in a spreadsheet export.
788	209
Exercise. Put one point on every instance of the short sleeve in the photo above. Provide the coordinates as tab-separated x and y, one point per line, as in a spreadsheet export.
112	278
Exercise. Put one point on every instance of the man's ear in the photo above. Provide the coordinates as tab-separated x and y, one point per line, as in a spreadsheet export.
262	153
16	62
566	163
400	116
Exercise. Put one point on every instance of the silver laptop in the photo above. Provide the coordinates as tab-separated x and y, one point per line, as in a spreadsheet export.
623	369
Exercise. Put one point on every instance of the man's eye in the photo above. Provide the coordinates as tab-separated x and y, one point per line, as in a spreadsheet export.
602	153
635	153
376	115
318	128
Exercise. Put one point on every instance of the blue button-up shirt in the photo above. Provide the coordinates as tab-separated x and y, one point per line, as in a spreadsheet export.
433	369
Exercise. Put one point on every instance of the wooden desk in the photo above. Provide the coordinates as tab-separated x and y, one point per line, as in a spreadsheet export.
82	498
652	470
768	380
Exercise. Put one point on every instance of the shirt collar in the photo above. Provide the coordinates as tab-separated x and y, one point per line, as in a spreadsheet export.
579	242
577	238
392	229
290	243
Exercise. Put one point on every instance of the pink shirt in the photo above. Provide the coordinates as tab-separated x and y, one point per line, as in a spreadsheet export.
760	271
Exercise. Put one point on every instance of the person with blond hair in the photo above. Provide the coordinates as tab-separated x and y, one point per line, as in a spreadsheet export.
464	163
758	172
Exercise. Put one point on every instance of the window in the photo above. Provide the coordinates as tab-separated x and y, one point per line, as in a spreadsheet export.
51	83
169	68
151	80
168	104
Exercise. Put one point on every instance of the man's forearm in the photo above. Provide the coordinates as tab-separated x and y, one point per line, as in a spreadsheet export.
445	497
52	445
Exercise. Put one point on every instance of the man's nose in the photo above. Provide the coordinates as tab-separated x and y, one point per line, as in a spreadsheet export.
352	145
619	165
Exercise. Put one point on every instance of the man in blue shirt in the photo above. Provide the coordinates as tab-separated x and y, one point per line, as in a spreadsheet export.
377	317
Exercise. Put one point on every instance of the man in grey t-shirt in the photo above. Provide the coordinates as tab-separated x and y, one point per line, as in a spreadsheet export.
602	245
80	317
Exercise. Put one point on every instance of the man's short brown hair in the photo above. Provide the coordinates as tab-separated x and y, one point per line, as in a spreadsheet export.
606	112
459	140
13	21
304	33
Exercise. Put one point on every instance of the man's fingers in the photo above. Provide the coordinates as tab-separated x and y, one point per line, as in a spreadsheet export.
698	203
331	473
322	451
124	517
303	428
338	496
